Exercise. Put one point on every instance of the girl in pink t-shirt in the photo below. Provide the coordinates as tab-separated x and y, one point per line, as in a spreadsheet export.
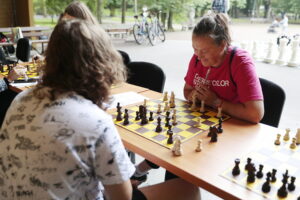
220	75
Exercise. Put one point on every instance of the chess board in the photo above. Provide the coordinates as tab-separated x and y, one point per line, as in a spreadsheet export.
279	157
32	72
186	119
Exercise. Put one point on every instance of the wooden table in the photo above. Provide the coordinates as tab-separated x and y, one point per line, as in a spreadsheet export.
204	168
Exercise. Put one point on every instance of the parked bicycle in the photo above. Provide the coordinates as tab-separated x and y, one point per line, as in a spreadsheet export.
143	30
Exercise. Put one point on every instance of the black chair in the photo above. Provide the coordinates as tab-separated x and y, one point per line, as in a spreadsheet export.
274	98
23	49
146	75
125	56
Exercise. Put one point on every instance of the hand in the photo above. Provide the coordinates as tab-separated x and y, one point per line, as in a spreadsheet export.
204	93
16	72
37	57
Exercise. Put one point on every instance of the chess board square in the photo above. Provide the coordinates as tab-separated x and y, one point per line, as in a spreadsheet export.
159	137
193	129
190	122
280	156
176	129
142	130
204	116
207	122
183	126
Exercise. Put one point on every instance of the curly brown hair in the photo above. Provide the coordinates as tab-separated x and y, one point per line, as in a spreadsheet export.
81	58
215	26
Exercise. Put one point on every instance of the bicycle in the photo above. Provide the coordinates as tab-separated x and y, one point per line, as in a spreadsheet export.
156	31
140	29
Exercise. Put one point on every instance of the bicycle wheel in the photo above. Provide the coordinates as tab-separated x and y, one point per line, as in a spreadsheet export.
161	33
137	34
152	35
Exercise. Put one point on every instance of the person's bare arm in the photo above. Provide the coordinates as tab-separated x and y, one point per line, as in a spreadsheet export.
188	92
119	191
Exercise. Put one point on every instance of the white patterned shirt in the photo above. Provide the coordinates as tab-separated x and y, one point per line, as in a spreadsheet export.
62	149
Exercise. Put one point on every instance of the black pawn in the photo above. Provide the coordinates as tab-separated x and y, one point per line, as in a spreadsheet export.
266	186
126	113
169	132
220	129
158	127
236	170
248	163
144	119
170	139
251	173
291	185
273	177
137	117
151	116
209	132
260	173
126	119
167	124
167	114
214	135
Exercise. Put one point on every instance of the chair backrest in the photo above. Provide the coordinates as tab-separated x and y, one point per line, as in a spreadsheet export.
274	98
146	75
23	49
125	56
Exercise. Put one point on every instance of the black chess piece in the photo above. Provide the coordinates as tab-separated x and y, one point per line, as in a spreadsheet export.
151	116
137	117
282	191
119	116
209	132
266	186
126	119
118	106
248	163
214	134
167	114
158	127
273	177
251	173
144	119
236	169
167	124
260	173
170	139
291	185
169	130
220	128
126	112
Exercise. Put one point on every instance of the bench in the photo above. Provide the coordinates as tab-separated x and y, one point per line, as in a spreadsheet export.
259	20
118	32
31	32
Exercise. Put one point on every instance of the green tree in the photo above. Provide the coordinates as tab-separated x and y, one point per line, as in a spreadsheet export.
54	7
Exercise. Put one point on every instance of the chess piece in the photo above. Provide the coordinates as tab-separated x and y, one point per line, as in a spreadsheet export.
219	114
158	108
260	173
298	136
174	123
126	118
293	144
282	191
137	116
198	123
266	186
220	128
118	106
291	185
174	113
177	147
214	134
277	141
202	108
172	103
126	113
145	103
248	163
166	108
167	124
270	52
199	146
210	131
144	119
194	103
170	139
294	60
286	136
170	132
151	116
283	42
165	96
168	114
158	127
119	116
273	175
251	173
236	170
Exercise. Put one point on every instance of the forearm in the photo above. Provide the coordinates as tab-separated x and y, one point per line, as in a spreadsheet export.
119	191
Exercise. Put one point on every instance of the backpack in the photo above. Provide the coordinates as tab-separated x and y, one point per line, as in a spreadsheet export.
8	49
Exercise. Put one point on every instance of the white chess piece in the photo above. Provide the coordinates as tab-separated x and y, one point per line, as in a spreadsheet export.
293	144
199	146
286	136
270	53
166	108
145	102
198	123
219	112
298	136
202	108
165	96
159	108
282	51
194	106
277	141
255	51
174	120
177	148
294	61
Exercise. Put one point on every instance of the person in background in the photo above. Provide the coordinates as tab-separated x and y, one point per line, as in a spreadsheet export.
65	145
221	75
7	95
220	6
284	23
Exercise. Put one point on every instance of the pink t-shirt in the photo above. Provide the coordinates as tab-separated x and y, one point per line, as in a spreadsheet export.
245	85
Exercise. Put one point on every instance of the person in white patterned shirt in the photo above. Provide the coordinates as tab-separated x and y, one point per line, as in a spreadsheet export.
57	142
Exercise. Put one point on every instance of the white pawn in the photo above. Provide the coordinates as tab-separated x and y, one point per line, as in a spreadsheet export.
298	136
202	108
286	136
194	106
219	115
174	120
165	96
282	51
270	53
166	108
198	123
294	61
293	144
277	141
158	109
199	146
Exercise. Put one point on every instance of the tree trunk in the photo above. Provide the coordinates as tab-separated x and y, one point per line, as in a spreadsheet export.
170	20
163	19
123	11
267	4
99	11
112	11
